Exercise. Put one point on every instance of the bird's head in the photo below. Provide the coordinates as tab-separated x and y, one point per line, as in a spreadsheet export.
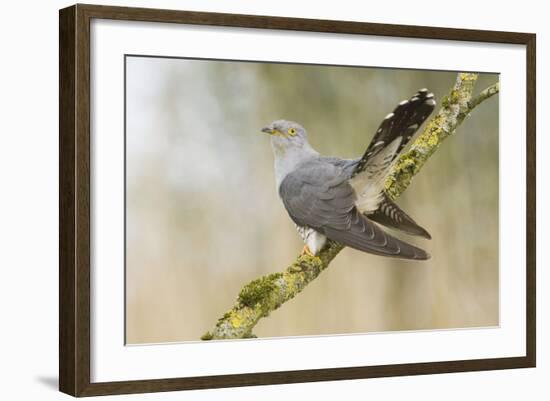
286	134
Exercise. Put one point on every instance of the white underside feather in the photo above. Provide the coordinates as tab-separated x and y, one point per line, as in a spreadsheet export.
313	239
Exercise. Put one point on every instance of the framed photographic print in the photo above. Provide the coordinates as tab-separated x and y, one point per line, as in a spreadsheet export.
250	200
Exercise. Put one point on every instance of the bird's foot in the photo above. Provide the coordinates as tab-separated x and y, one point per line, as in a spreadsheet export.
306	251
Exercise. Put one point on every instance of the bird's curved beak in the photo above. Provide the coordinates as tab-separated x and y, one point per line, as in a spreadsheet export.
268	130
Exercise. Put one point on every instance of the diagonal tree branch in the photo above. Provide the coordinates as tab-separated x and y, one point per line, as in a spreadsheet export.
260	297
484	95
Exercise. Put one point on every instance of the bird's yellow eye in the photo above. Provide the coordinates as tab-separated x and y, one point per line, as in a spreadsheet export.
291	131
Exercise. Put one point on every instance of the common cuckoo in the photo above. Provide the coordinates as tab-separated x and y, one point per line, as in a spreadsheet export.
344	200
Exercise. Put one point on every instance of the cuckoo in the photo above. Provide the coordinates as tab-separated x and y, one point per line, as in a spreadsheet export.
343	199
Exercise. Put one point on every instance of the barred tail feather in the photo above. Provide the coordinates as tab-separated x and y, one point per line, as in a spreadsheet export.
394	133
390	215
402	123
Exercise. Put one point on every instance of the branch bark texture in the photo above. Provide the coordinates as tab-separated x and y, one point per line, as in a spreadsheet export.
260	297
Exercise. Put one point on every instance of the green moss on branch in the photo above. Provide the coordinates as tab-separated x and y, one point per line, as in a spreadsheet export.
260	297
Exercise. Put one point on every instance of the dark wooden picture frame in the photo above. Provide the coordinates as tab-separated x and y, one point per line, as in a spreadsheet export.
74	200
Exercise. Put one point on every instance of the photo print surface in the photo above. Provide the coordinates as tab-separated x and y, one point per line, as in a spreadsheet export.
226	159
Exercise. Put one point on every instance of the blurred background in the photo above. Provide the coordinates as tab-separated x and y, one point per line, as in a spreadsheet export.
203	217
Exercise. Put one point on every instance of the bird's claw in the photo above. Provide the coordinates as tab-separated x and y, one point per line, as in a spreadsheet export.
306	251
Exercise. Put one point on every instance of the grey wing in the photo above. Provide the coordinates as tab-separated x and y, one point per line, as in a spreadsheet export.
319	196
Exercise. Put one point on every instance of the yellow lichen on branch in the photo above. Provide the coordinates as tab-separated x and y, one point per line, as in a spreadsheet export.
260	297
453	109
